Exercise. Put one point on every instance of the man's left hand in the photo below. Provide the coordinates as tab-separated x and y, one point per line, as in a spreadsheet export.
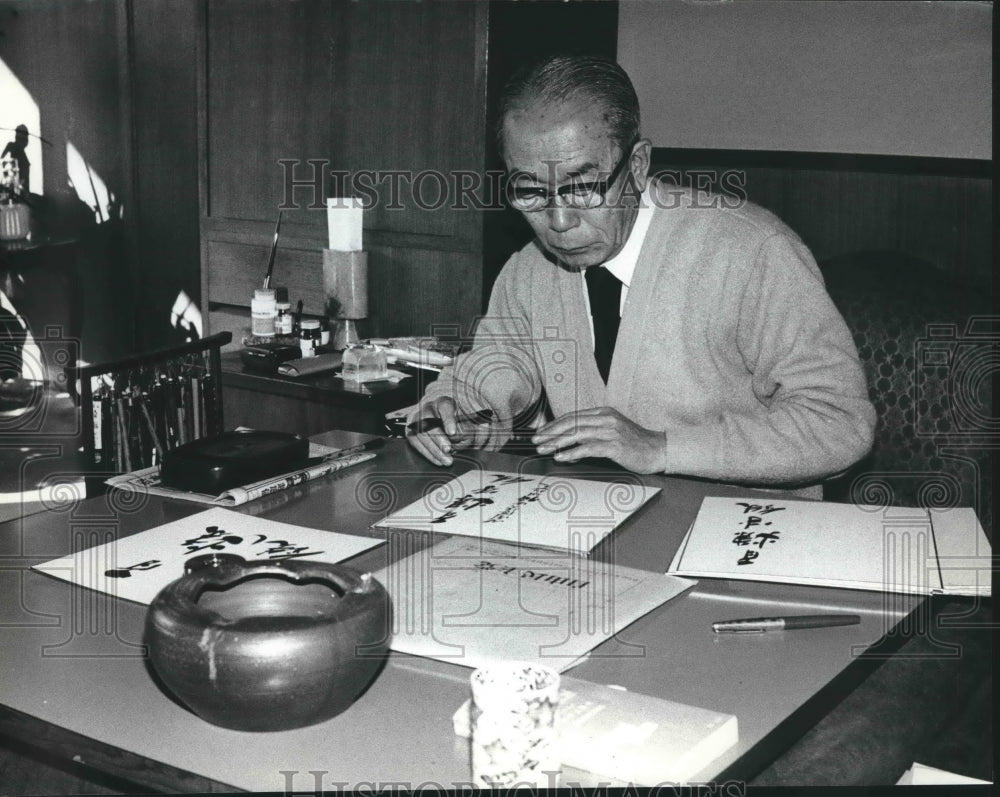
603	432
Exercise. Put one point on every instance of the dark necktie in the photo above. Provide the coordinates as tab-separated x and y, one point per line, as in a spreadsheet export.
605	291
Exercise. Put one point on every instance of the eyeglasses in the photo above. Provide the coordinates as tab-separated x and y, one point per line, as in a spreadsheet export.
580	195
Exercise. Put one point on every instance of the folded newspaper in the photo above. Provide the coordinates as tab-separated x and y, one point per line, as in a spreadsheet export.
148	481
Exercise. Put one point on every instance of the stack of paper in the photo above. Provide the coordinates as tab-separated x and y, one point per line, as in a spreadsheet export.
887	549
632	738
473	602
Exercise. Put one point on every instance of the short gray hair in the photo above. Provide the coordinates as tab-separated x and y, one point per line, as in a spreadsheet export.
564	77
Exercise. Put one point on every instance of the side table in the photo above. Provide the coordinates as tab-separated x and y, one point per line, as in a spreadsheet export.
312	404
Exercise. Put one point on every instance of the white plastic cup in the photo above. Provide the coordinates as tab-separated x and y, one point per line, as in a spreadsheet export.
513	726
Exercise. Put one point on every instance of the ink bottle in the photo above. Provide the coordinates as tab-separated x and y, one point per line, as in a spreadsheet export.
309	336
283	322
263	311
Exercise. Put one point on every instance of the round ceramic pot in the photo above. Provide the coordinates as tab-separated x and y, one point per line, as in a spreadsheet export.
268	645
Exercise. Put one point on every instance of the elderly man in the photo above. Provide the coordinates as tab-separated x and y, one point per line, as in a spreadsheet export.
729	359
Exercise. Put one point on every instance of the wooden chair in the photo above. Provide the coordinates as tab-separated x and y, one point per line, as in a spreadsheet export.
135	409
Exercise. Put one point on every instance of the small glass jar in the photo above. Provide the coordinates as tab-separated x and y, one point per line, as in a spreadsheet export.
263	311
283	322
364	363
309	336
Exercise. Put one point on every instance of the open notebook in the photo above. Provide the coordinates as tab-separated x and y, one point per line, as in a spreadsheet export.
855	546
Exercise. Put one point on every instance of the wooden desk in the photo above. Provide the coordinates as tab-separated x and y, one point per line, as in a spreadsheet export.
76	682
312	404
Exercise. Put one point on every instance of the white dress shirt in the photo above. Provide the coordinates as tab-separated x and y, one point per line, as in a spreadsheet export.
623	264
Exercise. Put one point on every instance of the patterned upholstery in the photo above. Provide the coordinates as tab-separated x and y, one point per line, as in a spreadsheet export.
929	354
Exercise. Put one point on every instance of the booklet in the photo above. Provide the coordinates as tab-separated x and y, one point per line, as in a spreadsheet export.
473	602
630	737
550	511
137	567
855	546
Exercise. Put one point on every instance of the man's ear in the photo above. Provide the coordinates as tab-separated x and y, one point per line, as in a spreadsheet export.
642	154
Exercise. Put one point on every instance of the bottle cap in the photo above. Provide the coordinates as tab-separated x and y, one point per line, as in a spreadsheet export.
264	294
309	323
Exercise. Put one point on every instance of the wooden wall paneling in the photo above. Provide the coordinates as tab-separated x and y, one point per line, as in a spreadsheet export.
268	98
413	100
72	59
929	204
166	258
400	86
835	212
201	122
946	220
977	228
766	187
410	291
519	33
935	209
235	269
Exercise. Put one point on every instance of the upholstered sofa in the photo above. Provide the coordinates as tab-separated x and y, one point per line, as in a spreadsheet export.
929	349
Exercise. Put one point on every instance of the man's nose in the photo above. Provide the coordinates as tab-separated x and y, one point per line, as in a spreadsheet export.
562	217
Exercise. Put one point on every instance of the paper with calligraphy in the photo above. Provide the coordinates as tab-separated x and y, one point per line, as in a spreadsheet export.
544	511
138	566
854	546
472	602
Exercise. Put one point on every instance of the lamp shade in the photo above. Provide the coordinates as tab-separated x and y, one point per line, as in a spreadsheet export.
345	278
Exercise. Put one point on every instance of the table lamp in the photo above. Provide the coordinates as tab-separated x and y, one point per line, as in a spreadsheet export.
345	269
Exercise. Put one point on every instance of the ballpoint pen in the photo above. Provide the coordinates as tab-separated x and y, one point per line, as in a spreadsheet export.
422	425
759	625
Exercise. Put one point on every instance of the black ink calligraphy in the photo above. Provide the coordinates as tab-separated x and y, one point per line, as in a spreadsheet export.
126	572
752	531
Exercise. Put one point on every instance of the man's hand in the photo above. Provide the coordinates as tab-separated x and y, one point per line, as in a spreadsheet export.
603	432
433	430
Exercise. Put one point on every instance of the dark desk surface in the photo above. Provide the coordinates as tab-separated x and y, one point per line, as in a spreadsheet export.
326	387
57	640
313	403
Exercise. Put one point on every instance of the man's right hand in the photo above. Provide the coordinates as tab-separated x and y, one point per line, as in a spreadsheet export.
433	430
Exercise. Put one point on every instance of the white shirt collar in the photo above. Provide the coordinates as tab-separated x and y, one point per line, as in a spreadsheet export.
623	264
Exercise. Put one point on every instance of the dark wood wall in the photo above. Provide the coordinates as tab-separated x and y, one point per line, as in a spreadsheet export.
935	209
165	248
352	87
72	58
518	34
185	107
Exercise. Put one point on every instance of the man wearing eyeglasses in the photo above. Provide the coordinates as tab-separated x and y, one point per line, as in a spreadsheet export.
665	332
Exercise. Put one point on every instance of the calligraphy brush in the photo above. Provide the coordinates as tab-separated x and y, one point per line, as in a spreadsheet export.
274	248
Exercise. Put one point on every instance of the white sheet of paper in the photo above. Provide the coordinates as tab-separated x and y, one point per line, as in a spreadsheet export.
345	220
893	549
471	602
923	775
554	512
139	566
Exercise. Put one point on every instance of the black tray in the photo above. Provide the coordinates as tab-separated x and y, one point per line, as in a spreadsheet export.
215	464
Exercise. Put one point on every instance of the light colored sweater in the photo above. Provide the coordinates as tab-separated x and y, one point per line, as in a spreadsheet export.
728	342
